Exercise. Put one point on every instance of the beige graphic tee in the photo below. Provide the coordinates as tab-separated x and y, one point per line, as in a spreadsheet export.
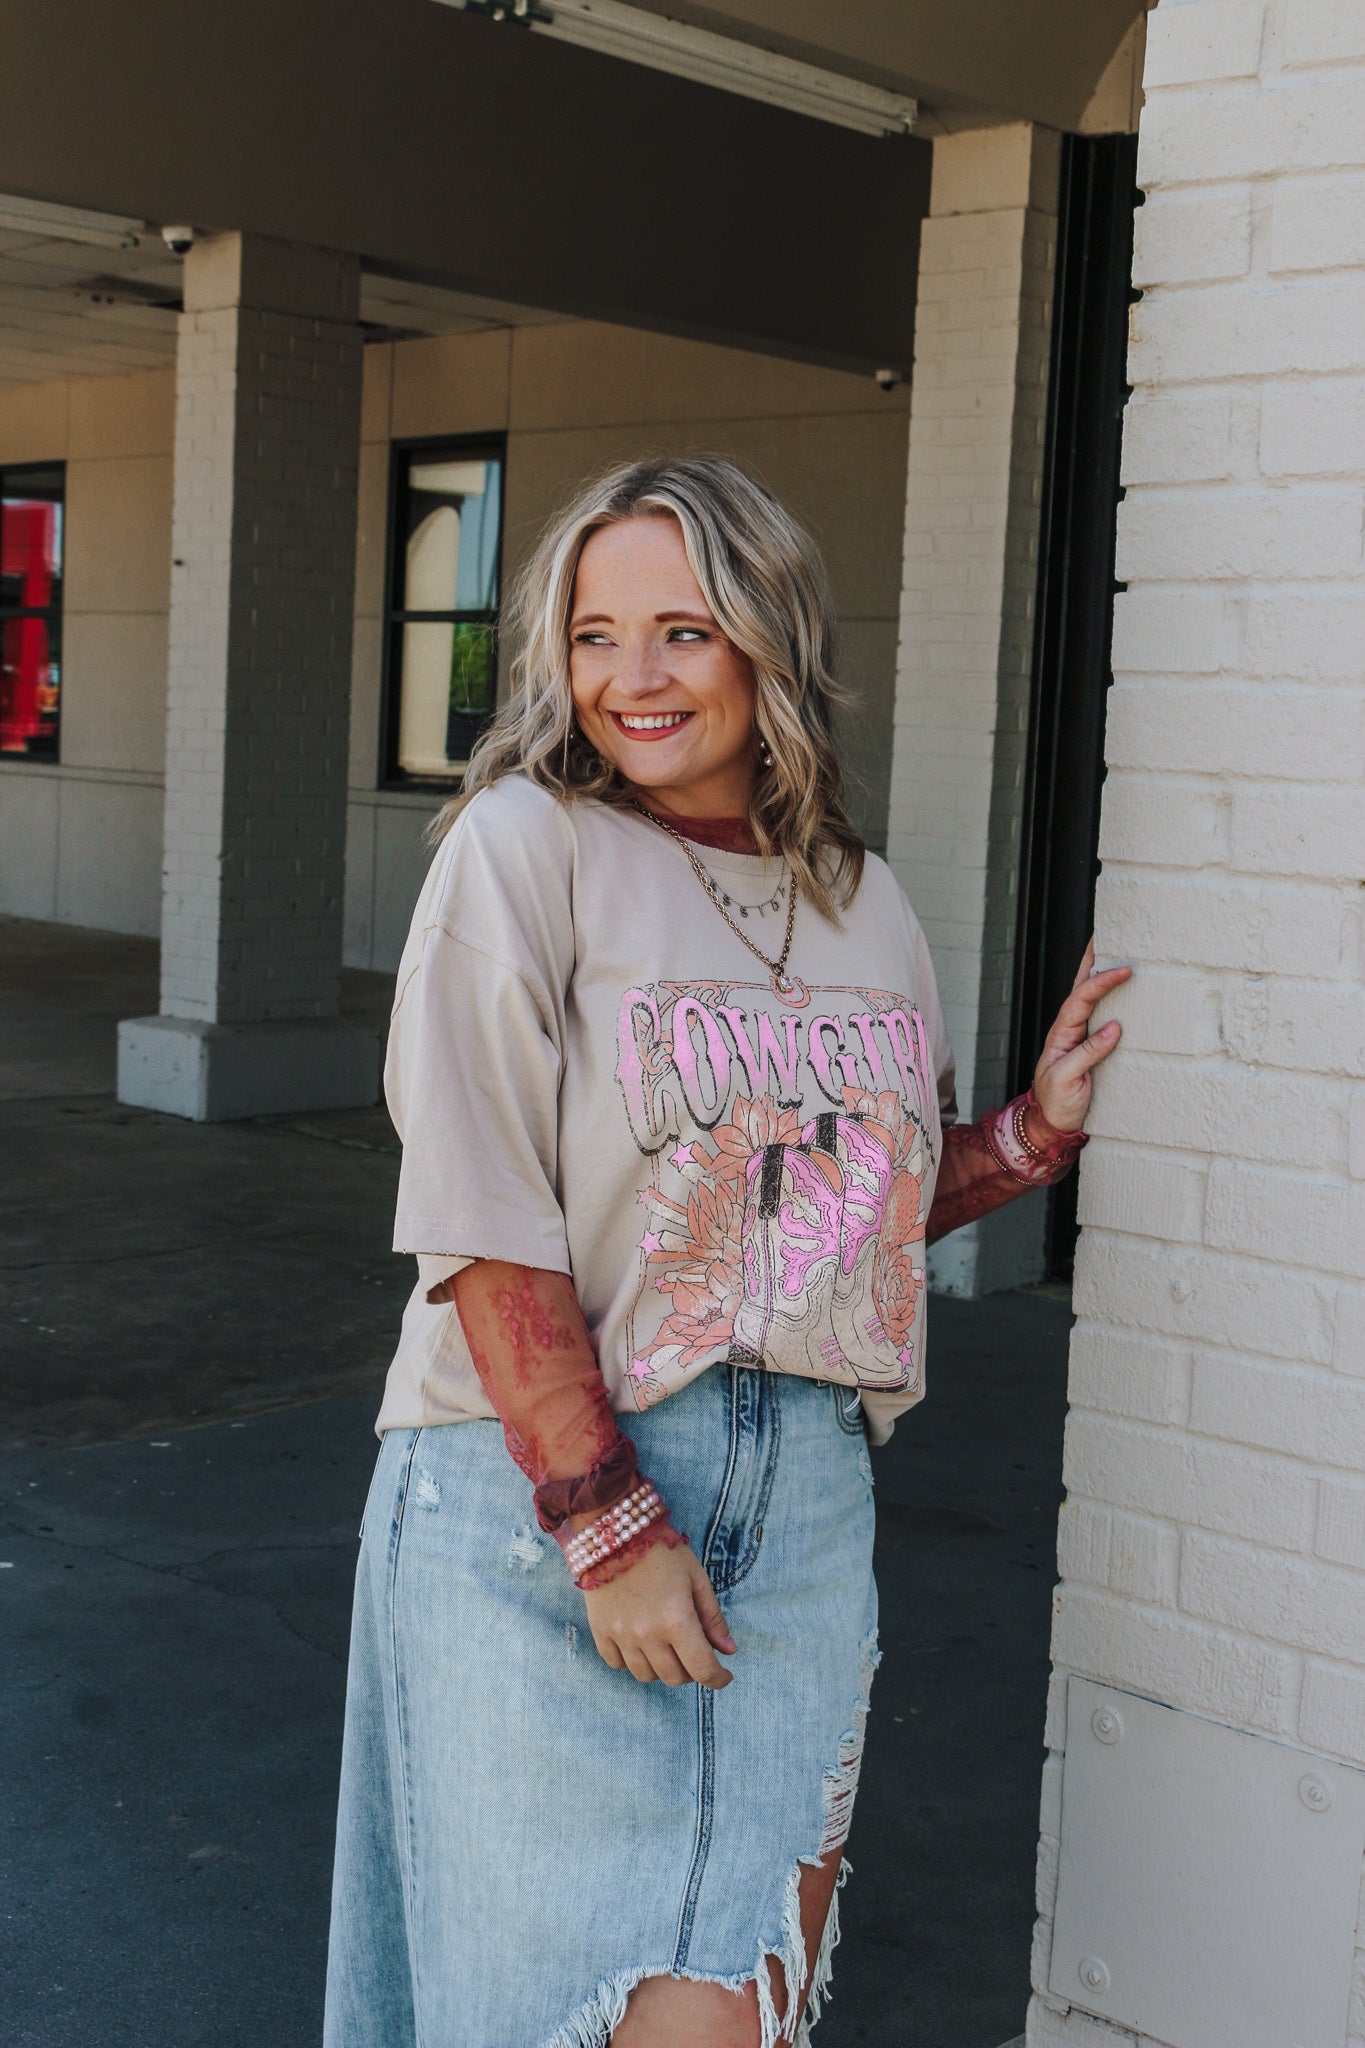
590	1073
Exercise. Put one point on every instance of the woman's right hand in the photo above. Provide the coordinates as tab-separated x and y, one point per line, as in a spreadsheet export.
661	1619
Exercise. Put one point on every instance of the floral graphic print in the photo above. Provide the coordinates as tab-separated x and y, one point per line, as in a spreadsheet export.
798	1244
770	1232
693	1252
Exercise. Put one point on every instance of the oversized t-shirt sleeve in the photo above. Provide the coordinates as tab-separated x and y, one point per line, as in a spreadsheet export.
931	1009
477	1042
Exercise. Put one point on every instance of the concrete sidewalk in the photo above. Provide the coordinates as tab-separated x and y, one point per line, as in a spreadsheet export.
196	1322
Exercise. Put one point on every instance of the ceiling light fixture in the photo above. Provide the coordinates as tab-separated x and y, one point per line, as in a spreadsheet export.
615	30
70	223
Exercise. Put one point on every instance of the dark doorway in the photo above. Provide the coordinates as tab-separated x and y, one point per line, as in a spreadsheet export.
1071	672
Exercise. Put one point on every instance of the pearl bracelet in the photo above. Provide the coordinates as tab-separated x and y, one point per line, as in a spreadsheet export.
612	1530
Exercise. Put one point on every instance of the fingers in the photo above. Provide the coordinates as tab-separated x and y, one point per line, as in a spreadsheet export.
1098	987
637	1664
1085	971
1075	1011
698	1657
624	1656
676	1659
661	1619
1061	1078
667	1665
1073	1019
1097	1047
709	1612
678	1654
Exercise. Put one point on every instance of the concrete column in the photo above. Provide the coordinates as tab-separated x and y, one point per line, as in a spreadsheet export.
1212	1545
263	543
978	409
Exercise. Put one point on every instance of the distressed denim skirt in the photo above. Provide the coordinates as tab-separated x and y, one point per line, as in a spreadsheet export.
525	1834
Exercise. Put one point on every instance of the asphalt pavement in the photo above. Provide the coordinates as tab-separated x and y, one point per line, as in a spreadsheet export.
195	1322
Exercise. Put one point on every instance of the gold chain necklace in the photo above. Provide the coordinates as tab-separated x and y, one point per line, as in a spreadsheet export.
773	902
783	984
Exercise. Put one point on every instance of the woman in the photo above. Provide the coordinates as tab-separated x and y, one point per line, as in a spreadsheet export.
677	1108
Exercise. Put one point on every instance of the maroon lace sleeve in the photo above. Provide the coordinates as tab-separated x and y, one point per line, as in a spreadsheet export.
535	1361
1001	1155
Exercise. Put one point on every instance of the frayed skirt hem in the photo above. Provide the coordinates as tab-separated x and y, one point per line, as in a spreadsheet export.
593	2025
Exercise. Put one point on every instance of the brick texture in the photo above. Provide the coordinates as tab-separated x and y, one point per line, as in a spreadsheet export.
974	489
1212	1546
262	592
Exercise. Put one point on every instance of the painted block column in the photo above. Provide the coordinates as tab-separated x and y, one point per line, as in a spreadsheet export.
1212	1544
978	416
268	385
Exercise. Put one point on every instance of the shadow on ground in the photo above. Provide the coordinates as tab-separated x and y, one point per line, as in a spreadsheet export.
196	1322
158	1272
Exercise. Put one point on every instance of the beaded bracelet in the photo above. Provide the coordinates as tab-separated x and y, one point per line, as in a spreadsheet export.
613	1529
1008	1139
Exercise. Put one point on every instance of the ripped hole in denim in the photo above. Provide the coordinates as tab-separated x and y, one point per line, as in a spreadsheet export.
525	1550
595	2023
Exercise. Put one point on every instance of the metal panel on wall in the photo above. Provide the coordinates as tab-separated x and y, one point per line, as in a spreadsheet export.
1207	1898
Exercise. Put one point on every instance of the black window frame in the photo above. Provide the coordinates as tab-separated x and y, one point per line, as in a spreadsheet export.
50	614
458	447
1074	619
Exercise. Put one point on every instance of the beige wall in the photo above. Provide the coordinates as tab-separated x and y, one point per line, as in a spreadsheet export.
81	841
572	398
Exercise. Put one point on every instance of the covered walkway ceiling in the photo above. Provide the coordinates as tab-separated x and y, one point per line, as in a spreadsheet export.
69	309
1027	60
479	171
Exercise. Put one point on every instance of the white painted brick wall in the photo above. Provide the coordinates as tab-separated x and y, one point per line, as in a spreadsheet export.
983	325
1212	1546
264	522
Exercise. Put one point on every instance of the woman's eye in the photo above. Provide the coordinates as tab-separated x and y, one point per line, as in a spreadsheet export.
689	633
590	639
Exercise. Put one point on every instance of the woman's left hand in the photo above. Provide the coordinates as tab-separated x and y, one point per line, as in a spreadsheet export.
1061	1080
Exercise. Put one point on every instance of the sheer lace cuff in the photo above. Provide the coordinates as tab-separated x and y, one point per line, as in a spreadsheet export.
994	1160
607	1480
1036	1164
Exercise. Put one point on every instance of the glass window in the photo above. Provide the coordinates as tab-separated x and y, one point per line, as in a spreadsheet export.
30	611
443	642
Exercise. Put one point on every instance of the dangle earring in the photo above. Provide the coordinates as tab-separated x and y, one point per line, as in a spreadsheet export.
765	753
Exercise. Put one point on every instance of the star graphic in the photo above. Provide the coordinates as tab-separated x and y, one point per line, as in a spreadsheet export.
650	1243
682	1156
639	1368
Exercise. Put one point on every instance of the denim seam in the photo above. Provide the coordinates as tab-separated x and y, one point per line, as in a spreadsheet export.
701	1842
706	1786
409	1883
769	1396
854	1428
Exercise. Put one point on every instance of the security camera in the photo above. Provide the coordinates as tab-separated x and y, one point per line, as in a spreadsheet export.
889	379
178	240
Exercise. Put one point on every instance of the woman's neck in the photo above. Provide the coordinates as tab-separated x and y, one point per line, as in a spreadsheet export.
724	835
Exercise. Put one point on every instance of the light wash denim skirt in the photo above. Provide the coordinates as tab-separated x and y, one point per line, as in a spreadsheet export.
524	1834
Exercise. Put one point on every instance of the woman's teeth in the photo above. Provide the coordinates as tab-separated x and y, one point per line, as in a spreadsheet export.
653	722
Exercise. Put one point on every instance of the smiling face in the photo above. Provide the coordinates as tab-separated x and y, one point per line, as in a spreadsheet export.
657	688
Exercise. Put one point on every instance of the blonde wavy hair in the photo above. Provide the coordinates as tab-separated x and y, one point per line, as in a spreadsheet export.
763	580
